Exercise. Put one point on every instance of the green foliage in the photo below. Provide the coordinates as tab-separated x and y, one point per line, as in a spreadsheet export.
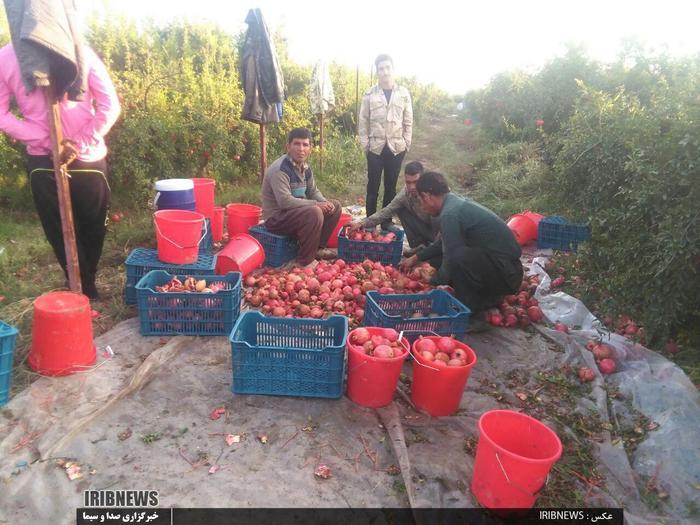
631	170
620	150
510	175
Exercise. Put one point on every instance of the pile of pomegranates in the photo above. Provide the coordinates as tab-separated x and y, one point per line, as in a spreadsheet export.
604	358
370	235
519	309
441	351
330	288
384	343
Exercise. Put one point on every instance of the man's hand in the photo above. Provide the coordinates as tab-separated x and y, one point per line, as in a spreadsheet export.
408	263
326	207
69	151
354	226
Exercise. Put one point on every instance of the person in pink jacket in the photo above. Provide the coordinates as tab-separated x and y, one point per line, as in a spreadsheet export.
85	124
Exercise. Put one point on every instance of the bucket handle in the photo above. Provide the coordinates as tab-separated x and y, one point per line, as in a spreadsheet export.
176	244
410	348
517	485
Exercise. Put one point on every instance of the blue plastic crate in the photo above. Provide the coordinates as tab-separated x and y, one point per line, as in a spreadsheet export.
358	251
143	260
284	356
188	313
559	234
8	337
440	313
206	247
279	249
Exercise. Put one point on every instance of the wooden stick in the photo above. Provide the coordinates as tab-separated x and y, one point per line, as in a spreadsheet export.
263	151
290	438
65	205
320	143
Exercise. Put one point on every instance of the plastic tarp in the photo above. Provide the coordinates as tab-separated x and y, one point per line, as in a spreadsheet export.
159	415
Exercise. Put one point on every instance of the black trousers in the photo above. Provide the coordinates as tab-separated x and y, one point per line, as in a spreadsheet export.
417	230
390	164
481	279
90	194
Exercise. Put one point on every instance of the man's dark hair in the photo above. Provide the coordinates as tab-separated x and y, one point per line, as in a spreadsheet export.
414	168
383	58
433	183
298	133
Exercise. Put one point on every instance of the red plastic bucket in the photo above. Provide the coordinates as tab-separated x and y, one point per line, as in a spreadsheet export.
240	217
534	217
333	239
438	391
204	190
513	459
61	334
372	380
243	253
217	224
523	227
178	233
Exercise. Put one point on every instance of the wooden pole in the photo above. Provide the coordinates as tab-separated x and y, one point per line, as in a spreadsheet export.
63	189
263	151
357	97
320	143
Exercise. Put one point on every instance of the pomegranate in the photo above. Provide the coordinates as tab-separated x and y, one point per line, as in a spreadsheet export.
559	281
607	366
561	327
601	351
359	336
442	356
460	353
511	320
391	334
425	345
496	319
446	344
585	374
671	347
383	351
428	356
456	362
535	313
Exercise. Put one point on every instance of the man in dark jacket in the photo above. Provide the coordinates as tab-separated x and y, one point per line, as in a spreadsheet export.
293	205
480	256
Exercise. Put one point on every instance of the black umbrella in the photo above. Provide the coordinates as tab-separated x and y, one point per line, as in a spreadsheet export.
262	79
47	45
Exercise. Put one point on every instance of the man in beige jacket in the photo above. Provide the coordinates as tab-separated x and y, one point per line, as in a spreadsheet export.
385	129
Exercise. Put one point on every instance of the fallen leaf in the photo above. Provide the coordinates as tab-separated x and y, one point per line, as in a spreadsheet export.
73	471
653	425
214	468
322	471
521	396
393	470
126	434
232	438
217	413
